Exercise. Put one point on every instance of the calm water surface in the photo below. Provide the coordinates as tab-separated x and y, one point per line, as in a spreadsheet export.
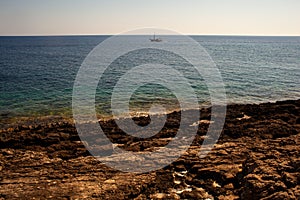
37	73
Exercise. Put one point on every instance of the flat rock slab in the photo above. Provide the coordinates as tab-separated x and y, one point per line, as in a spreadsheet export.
256	157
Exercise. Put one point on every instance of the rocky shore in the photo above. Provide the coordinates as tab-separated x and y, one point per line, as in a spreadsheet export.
256	157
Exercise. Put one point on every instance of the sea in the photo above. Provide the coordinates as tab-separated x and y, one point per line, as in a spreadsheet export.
37	73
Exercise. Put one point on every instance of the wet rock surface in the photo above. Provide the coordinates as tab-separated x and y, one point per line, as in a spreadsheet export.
256	157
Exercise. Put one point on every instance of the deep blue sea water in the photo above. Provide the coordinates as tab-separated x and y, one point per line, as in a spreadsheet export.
37	73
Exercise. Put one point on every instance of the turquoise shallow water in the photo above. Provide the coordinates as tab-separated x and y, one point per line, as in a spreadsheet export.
37	73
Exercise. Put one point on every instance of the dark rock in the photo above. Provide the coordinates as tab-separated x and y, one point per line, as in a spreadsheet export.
256	157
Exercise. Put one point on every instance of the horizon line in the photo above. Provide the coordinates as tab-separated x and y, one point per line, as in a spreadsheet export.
193	34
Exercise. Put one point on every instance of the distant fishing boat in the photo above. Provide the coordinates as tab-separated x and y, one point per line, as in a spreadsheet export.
155	39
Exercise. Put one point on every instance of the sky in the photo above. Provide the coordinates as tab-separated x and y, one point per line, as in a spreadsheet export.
193	17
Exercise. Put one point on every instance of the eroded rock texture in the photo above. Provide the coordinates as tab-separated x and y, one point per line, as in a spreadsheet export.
256	157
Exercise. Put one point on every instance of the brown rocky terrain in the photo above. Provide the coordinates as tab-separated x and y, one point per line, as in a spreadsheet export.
256	157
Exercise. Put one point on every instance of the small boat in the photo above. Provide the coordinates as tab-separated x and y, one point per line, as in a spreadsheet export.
155	39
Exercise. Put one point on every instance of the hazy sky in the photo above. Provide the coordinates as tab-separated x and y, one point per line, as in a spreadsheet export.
234	17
